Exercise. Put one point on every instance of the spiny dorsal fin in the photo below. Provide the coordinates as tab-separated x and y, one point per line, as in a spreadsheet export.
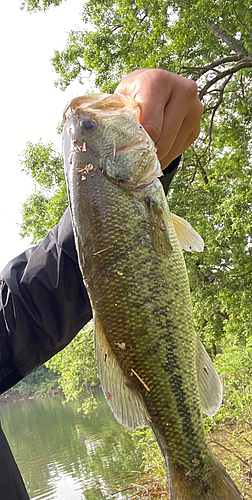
188	238
209	383
127	405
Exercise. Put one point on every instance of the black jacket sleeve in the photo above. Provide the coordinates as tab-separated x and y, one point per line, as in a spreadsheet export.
43	302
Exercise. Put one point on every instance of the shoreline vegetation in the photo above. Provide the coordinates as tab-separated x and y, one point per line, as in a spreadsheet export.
42	382
230	438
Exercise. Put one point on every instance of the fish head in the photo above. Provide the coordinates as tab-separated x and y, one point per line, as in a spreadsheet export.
106	128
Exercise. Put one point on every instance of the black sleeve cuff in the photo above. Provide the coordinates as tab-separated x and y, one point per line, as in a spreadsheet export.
169	173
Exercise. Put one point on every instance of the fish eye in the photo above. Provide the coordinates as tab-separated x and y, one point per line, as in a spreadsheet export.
88	124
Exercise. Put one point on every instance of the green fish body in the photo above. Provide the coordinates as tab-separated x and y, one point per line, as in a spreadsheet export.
153	368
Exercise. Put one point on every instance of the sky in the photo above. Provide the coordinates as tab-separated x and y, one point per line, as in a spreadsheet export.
31	105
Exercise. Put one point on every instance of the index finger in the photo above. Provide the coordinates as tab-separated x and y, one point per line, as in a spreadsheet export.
150	89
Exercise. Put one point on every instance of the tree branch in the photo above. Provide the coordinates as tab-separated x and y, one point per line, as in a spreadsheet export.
229	40
136	31
117	27
202	70
200	167
241	23
237	455
244	63
215	108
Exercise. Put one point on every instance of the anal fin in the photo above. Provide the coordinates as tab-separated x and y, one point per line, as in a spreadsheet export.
126	404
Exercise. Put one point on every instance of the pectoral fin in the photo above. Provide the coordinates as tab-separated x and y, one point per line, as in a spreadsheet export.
159	233
127	405
209	383
188	238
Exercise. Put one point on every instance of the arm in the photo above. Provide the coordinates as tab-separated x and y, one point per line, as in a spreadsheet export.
43	304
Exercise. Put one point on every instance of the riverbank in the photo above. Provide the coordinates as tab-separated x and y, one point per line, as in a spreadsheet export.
40	383
231	444
20	395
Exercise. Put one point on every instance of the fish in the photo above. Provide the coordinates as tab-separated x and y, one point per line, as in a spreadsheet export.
153	368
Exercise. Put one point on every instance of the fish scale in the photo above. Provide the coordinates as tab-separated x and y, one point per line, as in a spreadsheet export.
135	274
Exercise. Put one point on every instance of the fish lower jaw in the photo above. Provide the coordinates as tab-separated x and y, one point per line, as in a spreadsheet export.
148	179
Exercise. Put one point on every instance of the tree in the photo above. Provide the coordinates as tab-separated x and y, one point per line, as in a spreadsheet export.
43	209
76	364
38	5
211	42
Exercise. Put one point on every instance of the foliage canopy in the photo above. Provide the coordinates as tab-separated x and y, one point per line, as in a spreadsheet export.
38	5
211	42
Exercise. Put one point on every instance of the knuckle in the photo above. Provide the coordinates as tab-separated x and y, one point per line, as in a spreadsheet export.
160	76
197	132
190	88
198	110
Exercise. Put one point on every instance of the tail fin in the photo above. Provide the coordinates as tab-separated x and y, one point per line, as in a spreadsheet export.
214	484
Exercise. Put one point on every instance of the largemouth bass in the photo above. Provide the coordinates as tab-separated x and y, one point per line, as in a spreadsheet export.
153	368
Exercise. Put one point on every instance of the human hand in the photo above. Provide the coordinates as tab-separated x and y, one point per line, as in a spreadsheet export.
170	109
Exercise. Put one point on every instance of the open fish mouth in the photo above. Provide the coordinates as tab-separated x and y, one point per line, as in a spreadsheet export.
152	175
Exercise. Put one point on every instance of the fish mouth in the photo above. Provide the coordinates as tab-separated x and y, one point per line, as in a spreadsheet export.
148	179
154	171
140	143
103	105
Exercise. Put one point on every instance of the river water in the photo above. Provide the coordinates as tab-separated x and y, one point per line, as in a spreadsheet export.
63	455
